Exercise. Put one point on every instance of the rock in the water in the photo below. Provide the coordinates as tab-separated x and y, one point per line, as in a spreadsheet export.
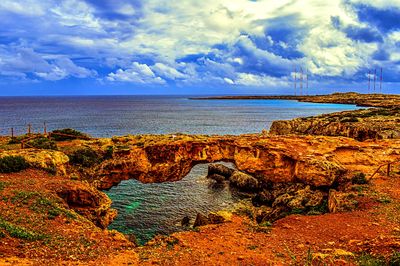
212	218
185	221
243	181
201	219
218	178
220	169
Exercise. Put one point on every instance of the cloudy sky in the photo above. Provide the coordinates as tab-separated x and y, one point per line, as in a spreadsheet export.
195	47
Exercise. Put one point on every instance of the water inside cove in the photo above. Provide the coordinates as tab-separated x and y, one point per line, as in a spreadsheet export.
149	209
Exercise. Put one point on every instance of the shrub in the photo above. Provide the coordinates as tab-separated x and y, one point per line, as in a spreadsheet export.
72	134
359	179
12	164
43	143
85	157
349	119
108	153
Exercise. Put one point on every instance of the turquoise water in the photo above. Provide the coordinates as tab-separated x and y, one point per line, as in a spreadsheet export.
149	209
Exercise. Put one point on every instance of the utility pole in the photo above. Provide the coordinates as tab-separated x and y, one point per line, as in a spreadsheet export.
369	81
29	129
44	129
295	81
307	79
301	81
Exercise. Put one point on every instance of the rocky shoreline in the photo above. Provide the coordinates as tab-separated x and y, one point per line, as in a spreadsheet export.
307	166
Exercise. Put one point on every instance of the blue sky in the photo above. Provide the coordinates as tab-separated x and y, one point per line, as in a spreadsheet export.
56	47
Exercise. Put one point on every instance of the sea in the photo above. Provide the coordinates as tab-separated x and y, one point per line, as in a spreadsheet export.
145	210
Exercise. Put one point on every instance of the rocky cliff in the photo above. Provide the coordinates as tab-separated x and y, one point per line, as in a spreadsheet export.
316	161
376	123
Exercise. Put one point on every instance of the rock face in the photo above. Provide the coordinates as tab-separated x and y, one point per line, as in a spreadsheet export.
361	125
316	161
89	202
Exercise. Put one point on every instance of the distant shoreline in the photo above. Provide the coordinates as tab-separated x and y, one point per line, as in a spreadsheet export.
364	100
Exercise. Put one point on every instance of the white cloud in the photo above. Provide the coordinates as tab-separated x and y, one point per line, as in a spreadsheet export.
137	73
247	79
167	71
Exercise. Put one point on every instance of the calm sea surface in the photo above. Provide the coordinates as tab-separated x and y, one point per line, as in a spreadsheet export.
106	116
149	209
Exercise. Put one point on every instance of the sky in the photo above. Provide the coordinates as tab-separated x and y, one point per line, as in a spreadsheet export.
74	47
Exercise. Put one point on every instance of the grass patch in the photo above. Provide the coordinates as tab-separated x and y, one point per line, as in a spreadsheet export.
13	164
40	204
19	231
3	185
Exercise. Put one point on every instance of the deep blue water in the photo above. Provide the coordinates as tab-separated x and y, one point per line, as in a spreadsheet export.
106	116
149	209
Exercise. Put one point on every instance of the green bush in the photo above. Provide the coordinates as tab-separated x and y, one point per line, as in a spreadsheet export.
19	232
85	157
72	134
12	164
42	143
359	179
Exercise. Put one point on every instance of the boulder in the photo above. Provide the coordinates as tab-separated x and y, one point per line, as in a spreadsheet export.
219	169
89	202
215	218
218	178
185	221
243	181
212	218
201	220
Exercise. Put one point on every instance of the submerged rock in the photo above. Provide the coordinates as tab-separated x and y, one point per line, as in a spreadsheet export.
243	181
185	221
219	169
